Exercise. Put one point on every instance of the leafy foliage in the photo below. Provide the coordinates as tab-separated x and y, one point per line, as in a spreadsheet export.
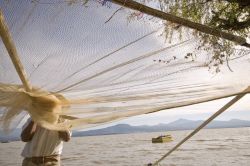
232	16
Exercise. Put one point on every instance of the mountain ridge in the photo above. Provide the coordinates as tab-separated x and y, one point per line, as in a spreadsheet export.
180	124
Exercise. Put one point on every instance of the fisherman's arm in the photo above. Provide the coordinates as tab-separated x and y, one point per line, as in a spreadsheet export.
65	135
28	132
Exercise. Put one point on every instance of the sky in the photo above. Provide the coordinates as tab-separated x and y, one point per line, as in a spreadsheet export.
202	111
240	110
194	112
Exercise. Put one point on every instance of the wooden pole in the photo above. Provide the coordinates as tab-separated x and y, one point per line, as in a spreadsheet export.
9	44
181	21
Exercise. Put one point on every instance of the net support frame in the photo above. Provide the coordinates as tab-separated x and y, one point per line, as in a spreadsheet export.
12	51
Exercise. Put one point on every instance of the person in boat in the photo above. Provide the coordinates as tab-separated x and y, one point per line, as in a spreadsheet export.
43	146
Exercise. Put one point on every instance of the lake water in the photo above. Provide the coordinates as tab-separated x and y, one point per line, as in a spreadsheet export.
210	147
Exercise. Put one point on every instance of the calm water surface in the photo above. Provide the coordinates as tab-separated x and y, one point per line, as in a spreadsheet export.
211	147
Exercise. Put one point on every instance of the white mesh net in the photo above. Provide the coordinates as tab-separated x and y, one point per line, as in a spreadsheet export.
106	65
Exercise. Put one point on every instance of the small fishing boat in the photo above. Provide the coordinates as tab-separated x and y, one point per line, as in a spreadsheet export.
5	141
162	139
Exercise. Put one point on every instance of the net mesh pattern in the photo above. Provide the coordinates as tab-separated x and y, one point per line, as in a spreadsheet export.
106	66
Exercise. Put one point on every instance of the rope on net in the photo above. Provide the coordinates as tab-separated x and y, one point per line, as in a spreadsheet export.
221	110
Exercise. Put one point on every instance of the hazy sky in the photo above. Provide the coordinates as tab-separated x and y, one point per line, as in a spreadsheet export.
196	112
240	110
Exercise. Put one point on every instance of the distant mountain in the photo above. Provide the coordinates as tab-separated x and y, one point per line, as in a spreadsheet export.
181	124
13	136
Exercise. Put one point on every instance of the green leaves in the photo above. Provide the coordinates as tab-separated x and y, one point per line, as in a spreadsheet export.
230	16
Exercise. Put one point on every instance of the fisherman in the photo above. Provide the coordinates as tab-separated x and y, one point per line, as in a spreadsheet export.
43	147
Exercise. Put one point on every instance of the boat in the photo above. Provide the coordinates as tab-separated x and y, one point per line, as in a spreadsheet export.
162	139
5	141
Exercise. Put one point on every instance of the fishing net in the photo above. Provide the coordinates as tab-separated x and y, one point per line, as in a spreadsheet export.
94	62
